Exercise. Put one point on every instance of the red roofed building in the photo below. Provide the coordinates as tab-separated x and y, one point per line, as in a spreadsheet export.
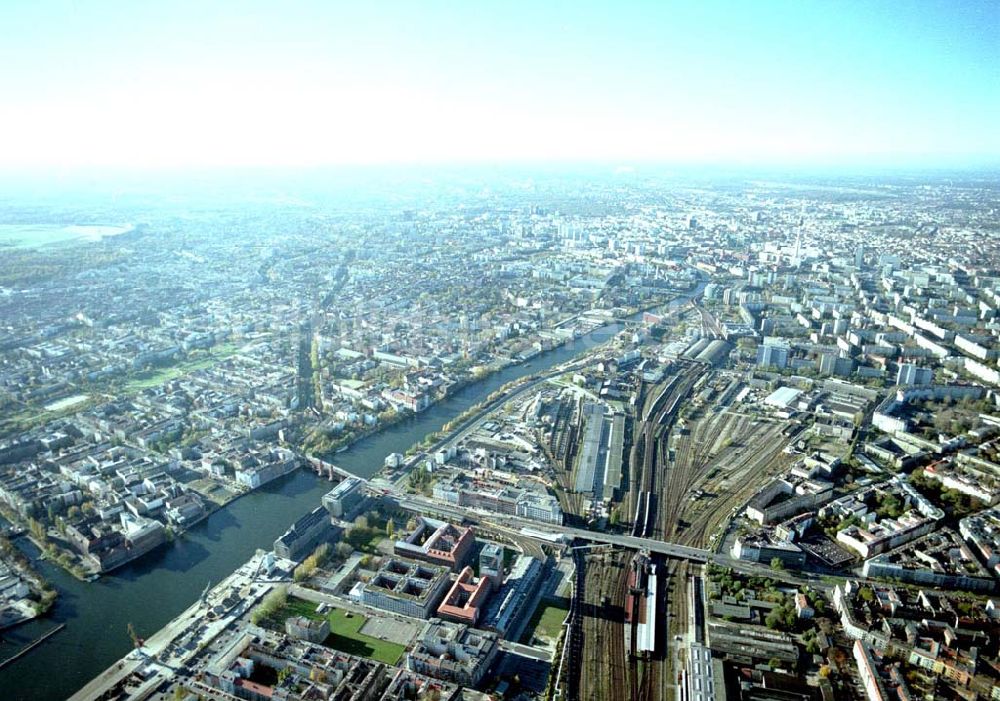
437	542
253	690
465	599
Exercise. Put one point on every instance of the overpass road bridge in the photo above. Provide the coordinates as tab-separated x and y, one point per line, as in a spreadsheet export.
549	532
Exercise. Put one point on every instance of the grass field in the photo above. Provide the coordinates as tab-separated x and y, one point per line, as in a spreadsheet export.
546	622
345	632
155	378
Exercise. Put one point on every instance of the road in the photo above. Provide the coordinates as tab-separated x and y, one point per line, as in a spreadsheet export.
814	580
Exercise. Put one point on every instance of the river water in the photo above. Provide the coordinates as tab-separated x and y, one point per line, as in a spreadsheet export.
155	588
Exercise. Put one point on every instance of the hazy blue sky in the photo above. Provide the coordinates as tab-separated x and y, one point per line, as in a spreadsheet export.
183	83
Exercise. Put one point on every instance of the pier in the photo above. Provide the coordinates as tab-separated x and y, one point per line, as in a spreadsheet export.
14	658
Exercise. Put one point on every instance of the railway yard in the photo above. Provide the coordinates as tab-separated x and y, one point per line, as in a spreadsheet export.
713	472
693	459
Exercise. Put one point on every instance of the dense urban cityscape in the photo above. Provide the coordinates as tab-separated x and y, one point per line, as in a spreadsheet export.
500	351
616	435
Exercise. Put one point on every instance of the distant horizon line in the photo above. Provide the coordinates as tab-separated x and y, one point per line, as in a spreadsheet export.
620	166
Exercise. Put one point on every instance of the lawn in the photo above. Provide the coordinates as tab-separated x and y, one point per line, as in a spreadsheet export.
156	377
546	622
345	633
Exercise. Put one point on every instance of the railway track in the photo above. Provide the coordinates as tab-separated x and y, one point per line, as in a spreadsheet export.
651	501
651	451
603	672
616	648
677	624
695	447
750	470
746	466
661	484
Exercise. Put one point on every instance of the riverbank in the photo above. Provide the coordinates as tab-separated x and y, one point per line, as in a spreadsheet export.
39	595
39	535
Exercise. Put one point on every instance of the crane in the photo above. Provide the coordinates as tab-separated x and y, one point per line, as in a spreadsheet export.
136	640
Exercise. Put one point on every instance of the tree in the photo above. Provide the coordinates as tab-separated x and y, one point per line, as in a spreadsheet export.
361	522
321	554
390	528
273	602
819	605
776	564
890	505
304	571
790	616
37	529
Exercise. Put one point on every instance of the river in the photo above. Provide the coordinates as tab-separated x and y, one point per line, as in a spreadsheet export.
155	588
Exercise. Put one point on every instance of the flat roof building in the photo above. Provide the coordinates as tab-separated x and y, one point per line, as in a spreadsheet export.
782	397
491	563
506	608
346	500
453	652
310	629
406	587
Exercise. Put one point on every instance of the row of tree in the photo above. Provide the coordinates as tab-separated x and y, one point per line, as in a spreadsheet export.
273	602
